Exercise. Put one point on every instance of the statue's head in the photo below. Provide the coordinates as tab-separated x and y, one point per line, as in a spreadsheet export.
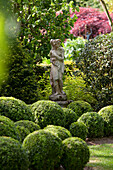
55	42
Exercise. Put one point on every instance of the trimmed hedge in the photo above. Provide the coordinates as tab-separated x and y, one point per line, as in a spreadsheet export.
7	128
61	132
47	113
78	129
94	123
31	126
44	149
12	155
22	132
69	117
75	154
15	109
107	115
80	107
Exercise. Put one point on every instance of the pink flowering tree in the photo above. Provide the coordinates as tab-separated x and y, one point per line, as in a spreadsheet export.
90	19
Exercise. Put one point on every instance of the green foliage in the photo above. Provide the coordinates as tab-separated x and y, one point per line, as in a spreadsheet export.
12	155
31	126
15	109
40	23
44	149
75	88
73	47
78	129
75	153
94	123
69	117
7	128
95	61
107	114
22	132
61	132
88	3
80	107
47	113
20	81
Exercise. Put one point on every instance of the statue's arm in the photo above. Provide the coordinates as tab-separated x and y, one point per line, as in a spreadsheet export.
57	57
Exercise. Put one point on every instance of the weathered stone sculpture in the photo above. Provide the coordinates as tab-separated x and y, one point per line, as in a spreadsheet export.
57	70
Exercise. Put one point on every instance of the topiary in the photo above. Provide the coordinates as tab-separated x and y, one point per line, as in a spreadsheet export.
107	115
31	126
75	154
60	131
44	149
12	155
22	132
7	128
69	117
47	113
15	109
78	129
80	107
94	123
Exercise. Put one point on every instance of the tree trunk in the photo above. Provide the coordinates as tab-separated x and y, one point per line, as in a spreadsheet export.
107	13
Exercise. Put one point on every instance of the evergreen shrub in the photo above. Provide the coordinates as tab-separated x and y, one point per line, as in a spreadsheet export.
94	123
107	114
75	154
78	129
15	109
44	149
69	117
22	132
47	113
62	132
31	126
7	128
80	107
12	155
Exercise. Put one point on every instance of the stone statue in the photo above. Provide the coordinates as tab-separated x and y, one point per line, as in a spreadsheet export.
57	70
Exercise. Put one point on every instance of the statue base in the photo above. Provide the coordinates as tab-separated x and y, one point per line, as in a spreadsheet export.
61	99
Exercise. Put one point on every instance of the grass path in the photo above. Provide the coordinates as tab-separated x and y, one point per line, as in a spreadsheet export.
101	157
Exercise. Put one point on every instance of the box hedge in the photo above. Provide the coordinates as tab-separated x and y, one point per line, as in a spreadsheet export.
44	149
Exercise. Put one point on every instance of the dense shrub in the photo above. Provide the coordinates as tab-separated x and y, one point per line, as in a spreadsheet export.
12	155
15	109
78	129
7	128
94	123
69	117
95	61
80	107
20	81
44	149
31	126
22	132
75	153
47	113
62	132
90	19
107	114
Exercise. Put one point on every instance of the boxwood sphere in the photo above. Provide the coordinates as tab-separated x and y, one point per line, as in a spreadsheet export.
22	132
94	123
80	107
31	126
44	149
7	128
62	132
47	113
107	115
12	155
75	154
78	129
15	109
69	117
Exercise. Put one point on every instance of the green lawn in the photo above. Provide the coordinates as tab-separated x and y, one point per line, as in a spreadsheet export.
101	157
